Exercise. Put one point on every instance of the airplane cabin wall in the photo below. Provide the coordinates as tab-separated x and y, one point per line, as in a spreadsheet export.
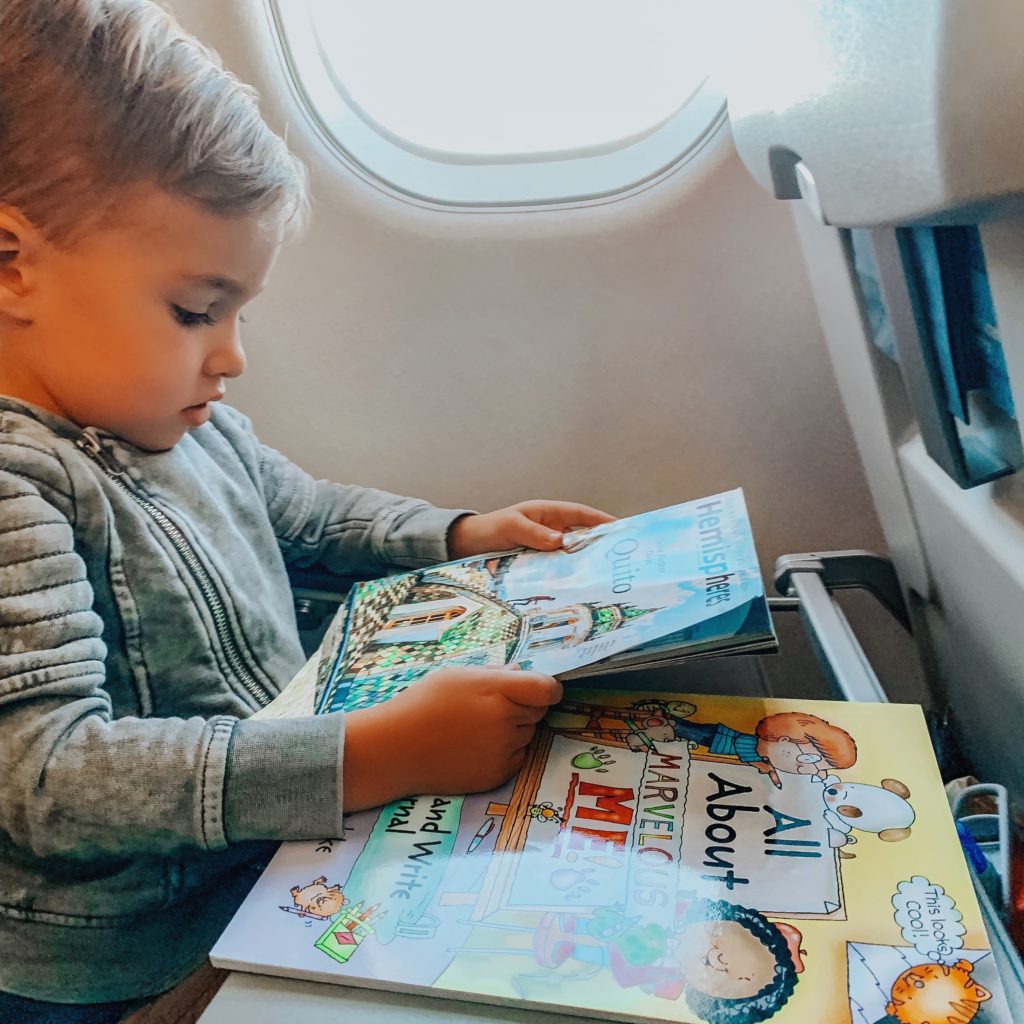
629	355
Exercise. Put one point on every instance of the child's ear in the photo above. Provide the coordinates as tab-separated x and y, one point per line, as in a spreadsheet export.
19	245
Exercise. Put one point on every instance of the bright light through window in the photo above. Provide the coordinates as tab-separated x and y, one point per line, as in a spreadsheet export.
486	102
488	78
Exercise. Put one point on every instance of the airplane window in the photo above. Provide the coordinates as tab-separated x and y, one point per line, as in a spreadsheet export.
487	103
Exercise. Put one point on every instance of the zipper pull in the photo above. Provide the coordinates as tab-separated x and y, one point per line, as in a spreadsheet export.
89	443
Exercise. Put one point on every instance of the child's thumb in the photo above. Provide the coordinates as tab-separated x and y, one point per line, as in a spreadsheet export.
536	535
532	689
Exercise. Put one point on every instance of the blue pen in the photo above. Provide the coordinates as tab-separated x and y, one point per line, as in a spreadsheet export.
983	867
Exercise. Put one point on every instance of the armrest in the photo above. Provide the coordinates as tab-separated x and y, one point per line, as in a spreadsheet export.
321	585
317	594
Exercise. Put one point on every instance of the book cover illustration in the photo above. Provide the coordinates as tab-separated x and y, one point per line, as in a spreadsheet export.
660	857
685	575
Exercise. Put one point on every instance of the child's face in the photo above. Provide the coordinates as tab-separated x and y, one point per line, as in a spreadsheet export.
788	755
722	958
135	329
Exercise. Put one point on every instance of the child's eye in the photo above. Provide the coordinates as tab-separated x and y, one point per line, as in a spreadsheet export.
190	318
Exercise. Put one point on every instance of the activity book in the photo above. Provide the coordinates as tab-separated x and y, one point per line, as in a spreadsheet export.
659	857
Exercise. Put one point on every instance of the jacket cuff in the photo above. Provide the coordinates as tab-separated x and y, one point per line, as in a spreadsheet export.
283	779
420	536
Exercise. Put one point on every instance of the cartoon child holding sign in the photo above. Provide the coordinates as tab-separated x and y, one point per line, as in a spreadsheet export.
790	742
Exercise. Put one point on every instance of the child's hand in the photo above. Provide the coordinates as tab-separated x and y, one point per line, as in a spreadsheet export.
767	769
458	730
530	524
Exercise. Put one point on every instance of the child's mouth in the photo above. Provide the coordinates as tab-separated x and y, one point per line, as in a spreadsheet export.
196	415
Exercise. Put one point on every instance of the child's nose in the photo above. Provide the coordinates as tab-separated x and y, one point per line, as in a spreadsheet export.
227	358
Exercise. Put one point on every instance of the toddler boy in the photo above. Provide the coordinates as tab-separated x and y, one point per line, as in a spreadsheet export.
145	611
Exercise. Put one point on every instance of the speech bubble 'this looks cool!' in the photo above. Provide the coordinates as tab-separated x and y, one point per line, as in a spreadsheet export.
928	918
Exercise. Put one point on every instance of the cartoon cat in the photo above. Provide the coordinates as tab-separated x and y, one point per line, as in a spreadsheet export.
319	898
937	994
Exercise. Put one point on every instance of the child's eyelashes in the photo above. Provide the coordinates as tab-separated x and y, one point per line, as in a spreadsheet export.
190	318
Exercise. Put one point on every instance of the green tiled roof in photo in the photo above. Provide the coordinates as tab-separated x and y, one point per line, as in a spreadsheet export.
608	618
487	626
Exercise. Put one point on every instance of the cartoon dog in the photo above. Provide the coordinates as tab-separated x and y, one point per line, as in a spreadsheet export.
852	805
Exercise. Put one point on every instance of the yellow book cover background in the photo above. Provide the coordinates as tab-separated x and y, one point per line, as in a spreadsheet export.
659	857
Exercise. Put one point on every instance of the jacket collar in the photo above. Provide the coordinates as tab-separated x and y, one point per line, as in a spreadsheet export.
59	425
66	428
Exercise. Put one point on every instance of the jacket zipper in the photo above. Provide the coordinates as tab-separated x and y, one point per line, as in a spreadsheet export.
92	447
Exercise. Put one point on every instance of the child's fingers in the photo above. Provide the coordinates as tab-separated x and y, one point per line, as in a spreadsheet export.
522	738
531	689
584	515
531	534
517	759
565	514
527	717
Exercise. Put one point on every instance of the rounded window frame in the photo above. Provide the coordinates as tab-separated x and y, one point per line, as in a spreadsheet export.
460	182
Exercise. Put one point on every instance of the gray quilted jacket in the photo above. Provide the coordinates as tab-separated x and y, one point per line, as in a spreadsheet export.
145	612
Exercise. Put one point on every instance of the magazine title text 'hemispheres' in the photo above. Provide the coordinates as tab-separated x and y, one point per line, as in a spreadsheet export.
712	558
712	554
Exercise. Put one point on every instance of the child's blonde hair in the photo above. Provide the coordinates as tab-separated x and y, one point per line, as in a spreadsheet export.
99	95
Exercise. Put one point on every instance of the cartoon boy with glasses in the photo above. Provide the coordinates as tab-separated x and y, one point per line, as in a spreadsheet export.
790	742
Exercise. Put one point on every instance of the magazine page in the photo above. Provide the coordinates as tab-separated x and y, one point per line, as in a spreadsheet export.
296	699
676	576
658	858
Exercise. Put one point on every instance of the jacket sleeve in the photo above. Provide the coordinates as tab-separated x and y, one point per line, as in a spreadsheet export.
75	781
349	529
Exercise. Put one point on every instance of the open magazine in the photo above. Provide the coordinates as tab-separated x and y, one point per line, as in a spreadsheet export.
678	582
659	857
